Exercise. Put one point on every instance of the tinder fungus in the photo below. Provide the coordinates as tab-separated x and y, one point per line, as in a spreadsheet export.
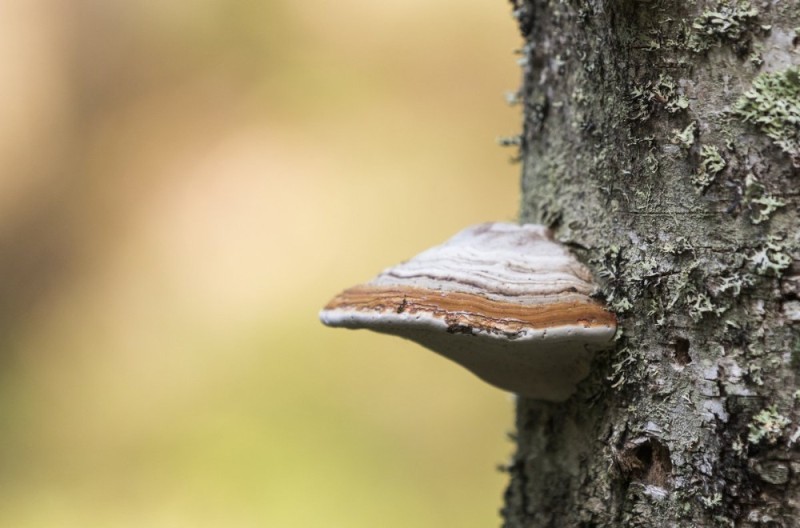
505	301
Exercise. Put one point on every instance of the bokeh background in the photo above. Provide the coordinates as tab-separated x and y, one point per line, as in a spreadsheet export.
183	184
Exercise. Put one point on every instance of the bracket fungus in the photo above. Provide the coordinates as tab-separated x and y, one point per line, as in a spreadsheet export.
505	301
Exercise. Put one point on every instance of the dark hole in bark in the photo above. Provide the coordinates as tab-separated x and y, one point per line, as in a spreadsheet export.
682	356
647	462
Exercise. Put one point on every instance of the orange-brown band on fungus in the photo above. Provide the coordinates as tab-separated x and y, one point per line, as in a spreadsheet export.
474	310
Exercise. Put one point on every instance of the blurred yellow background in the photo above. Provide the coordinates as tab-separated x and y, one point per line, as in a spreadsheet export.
183	184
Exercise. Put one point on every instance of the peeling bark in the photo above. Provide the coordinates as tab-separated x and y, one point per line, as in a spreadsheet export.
662	142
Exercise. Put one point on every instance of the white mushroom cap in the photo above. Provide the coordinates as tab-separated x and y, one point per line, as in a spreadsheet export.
503	300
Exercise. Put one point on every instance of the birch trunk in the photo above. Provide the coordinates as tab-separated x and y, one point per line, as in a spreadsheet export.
662	142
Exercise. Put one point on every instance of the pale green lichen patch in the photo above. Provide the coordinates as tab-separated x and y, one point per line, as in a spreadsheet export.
770	258
759	201
608	268
700	304
711	502
767	426
773	106
685	137
620	367
756	57
711	164
734	284
729	22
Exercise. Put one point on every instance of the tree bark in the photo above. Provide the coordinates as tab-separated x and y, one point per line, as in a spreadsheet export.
661	142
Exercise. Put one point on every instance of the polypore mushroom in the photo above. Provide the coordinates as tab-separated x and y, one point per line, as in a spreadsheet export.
505	301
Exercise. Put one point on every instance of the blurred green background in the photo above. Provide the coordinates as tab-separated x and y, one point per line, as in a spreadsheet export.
183	184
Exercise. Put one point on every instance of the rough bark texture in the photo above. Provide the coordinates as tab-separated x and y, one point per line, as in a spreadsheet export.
662	142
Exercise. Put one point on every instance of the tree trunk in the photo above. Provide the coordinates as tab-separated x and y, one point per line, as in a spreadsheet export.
662	142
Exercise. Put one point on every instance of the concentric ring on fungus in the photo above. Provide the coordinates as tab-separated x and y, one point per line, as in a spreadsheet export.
505	301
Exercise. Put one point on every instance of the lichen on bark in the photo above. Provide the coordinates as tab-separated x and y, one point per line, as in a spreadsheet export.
773	106
691	420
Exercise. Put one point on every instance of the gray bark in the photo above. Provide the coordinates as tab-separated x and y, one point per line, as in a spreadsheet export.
662	142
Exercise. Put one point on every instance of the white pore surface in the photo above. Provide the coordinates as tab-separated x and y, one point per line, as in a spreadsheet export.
501	261
540	364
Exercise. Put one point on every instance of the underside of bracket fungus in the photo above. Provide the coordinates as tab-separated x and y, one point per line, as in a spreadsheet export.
503	300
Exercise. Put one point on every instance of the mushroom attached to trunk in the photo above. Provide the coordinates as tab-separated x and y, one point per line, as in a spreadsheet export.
505	301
